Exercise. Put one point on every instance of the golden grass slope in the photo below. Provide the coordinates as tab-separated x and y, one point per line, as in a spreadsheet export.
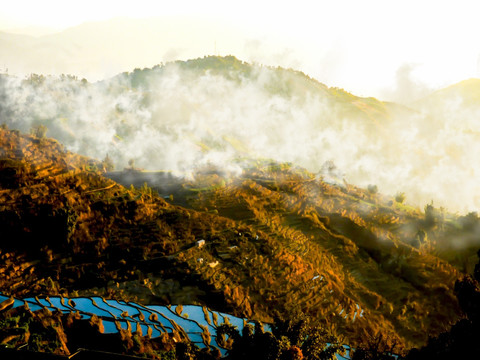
277	239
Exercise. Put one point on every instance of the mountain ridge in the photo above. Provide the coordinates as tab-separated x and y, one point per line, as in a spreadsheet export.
467	91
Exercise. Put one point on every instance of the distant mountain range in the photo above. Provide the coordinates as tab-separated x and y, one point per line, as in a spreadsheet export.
97	50
467	91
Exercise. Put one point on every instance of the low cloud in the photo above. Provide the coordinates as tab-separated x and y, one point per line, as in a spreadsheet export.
178	119
407	88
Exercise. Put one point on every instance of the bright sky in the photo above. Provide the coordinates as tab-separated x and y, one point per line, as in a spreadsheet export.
358	45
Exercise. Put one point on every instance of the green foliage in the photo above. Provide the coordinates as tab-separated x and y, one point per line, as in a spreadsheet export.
186	351
400	197
9	322
433	216
225	66
372	189
168	355
430	214
108	164
296	338
68	77
39	131
44	339
314	341
469	222
376	348
420	238
36	79
147	191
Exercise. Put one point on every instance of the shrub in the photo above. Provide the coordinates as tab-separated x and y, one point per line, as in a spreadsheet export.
372	189
39	131
108	164
400	197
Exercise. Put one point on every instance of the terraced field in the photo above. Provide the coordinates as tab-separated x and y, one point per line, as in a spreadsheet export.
196	323
277	240
340	253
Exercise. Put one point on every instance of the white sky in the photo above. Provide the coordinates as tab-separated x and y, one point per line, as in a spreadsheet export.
355	44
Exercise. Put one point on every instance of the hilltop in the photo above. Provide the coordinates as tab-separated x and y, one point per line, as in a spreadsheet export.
466	91
275	80
208	105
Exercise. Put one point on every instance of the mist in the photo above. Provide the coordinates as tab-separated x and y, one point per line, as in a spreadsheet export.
181	119
408	88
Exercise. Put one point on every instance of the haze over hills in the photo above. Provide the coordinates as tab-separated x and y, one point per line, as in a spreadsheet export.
467	92
215	109
97	50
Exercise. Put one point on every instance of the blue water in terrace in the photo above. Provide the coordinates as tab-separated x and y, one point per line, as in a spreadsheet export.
194	320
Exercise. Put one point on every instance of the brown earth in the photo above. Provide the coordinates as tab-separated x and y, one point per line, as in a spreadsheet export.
277	239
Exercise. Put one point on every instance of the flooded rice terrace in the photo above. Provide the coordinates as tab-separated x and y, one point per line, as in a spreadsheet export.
192	320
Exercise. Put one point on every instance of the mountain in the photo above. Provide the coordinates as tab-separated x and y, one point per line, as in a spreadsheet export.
190	99
278	81
467	91
276	239
235	195
181	114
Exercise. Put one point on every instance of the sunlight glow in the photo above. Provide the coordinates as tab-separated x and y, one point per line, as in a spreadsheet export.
358	45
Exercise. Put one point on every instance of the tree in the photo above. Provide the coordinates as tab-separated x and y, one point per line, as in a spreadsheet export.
372	189
36	79
108	164
302	332
39	131
294	339
431	215
470	221
461	342
420	238
131	164
400	197
376	348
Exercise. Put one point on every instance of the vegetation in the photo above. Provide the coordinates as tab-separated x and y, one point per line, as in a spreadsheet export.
460	342
63	334
39	131
276	239
375	348
400	197
108	164
284	82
